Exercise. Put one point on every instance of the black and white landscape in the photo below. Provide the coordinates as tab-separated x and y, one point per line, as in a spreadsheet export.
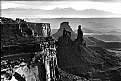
61	40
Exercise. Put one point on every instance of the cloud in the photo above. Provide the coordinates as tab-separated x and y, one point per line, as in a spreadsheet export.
104	0
69	0
10	4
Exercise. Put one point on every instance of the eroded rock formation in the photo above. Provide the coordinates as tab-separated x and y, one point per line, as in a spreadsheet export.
67	28
76	58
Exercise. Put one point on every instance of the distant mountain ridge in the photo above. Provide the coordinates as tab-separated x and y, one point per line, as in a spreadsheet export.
57	12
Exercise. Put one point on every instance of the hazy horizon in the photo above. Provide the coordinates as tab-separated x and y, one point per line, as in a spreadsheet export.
59	9
96	24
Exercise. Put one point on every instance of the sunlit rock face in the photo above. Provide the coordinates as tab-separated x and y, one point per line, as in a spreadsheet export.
39	28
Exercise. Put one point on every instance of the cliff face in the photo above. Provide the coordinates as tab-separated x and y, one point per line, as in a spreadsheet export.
38	28
12	32
17	37
20	31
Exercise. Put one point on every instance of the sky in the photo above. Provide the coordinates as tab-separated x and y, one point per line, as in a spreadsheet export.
113	6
